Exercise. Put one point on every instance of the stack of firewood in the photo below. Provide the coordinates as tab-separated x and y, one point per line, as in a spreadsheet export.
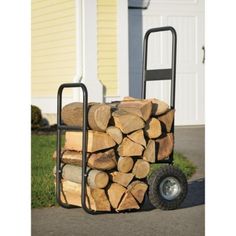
123	139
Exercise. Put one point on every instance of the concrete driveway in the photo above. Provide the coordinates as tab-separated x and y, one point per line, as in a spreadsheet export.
188	220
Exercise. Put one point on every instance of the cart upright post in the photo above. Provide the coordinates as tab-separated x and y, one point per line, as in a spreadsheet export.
161	74
60	128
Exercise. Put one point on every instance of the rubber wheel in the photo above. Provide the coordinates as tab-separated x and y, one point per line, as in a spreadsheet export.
168	188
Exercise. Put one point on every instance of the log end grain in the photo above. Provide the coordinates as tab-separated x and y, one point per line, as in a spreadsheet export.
115	133
127	122
130	148
125	164
141	169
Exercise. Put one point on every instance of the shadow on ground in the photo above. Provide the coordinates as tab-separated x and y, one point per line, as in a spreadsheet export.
195	197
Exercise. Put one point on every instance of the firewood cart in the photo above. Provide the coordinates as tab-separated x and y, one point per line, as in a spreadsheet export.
167	185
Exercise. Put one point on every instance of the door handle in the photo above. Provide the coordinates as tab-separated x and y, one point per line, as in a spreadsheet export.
203	58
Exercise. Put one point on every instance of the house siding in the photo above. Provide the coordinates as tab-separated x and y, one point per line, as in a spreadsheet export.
53	46
107	45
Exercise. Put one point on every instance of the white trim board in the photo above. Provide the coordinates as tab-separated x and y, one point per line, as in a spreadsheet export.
89	78
87	50
122	49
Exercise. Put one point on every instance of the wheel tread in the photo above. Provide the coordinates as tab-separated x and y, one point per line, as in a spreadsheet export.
154	181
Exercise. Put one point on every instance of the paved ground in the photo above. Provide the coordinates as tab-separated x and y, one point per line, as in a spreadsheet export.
188	220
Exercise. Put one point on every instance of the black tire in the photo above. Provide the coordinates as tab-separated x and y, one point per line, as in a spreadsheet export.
156	195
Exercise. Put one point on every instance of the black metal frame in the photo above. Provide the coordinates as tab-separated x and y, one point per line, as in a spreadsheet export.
161	74
60	128
148	75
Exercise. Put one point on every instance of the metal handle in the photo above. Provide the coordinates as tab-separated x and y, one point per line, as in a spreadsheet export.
61	127
160	74
203	58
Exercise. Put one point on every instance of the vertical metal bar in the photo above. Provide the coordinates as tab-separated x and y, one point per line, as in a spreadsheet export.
84	150
144	65
173	84
58	150
173	67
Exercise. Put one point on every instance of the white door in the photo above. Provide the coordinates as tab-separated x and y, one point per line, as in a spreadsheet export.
187	17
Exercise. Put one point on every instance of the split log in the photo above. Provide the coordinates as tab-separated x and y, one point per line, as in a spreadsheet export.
150	152
130	148
71	194
153	128
99	116
95	179
115	133
103	160
72	114
158	107
165	146
125	164
96	198
128	202
96	141
168	119
121	178
138	190
115	192
127	122
141	108
100	198
141	169
71	157
138	137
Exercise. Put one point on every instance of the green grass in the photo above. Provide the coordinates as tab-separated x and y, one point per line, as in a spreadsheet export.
181	162
42	180
42	185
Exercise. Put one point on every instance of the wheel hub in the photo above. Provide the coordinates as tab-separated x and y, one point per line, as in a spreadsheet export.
170	188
